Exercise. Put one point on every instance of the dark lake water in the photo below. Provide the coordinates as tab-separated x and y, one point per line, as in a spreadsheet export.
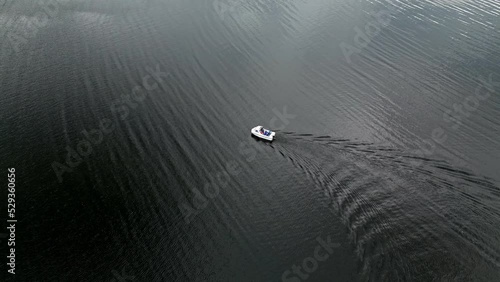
128	124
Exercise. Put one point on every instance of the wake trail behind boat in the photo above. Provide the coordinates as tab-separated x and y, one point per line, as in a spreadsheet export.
402	210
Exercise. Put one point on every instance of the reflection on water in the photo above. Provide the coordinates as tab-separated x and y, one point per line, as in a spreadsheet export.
392	151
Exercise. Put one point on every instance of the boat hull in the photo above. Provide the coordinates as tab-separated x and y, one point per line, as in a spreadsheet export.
255	132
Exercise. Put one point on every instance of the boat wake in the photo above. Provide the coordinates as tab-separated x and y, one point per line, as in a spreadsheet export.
407	216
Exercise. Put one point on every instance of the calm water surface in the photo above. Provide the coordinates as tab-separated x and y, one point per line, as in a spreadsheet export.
388	139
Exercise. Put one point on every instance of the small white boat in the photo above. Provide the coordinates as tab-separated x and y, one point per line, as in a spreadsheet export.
261	132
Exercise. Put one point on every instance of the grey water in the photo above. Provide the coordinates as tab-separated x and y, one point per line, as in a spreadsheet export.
128	124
